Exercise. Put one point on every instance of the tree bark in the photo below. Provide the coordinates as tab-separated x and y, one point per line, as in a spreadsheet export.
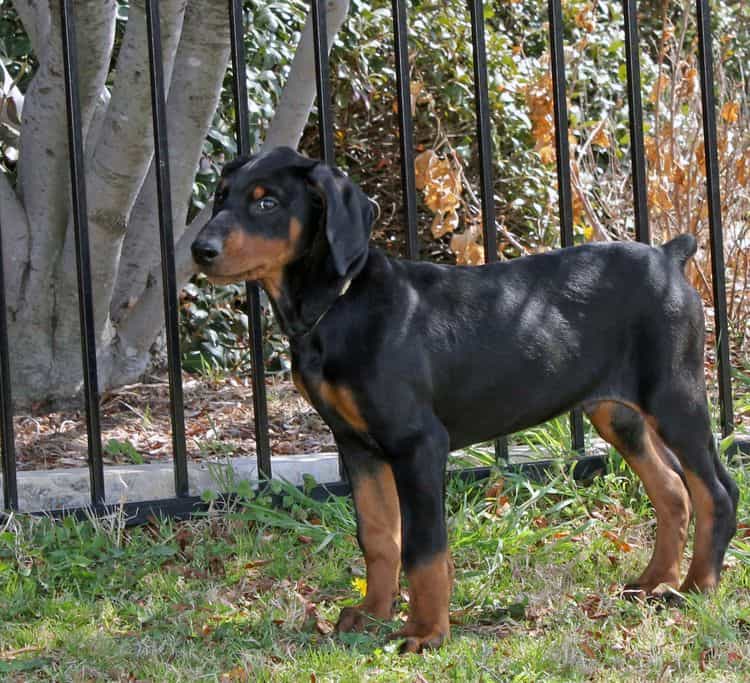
193	96
44	185
121	157
136	333
35	17
114	175
14	231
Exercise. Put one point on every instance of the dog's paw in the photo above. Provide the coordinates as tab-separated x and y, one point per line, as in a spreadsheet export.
418	642
352	620
664	593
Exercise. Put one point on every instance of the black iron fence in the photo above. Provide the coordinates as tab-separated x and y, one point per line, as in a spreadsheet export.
182	503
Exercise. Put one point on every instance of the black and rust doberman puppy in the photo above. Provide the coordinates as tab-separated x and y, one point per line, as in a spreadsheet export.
406	361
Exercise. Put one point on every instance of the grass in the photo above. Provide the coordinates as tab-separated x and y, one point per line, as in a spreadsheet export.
252	594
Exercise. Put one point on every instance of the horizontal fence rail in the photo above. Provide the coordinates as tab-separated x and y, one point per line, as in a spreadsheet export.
183	503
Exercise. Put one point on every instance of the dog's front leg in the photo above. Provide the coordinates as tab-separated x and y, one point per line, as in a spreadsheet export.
420	480
378	532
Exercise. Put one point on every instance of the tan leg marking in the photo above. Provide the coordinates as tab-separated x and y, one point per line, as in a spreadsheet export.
430	586
379	528
665	490
297	379
701	575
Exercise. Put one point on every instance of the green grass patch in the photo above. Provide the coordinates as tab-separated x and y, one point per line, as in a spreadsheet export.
252	594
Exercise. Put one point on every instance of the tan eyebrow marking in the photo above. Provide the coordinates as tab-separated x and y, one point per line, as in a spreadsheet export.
259	192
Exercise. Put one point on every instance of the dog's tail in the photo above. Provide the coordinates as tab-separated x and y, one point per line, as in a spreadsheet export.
681	248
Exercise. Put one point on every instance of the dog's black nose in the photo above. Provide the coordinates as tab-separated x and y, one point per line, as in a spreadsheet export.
205	251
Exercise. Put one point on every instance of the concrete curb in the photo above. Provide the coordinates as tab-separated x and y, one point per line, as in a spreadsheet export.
69	488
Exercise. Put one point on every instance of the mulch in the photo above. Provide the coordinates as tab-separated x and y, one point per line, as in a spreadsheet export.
218	424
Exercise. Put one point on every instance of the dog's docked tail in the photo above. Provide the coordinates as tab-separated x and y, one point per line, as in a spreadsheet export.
681	248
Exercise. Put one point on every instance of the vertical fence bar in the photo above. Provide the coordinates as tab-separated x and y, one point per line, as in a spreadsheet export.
484	131
83	263
405	125
484	138
563	164
635	119
322	71
242	123
325	117
10	485
713	188
166	237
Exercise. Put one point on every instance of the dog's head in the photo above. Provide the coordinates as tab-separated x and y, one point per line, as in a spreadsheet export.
269	210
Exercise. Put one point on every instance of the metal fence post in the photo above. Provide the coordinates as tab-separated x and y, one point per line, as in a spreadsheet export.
83	263
563	165
166	236
239	91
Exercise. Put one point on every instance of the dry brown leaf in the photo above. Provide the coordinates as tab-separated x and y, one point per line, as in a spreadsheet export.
548	154
688	83
620	543
659	87
238	673
422	166
444	223
601	139
741	169
730	112
587	650
584	19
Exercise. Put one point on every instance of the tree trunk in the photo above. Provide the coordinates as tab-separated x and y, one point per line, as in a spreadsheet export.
35	216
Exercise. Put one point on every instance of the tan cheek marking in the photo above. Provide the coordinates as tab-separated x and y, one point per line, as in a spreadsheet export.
295	230
259	258
342	401
235	250
243	253
259	192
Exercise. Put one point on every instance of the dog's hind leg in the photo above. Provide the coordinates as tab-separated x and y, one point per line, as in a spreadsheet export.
685	426
627	429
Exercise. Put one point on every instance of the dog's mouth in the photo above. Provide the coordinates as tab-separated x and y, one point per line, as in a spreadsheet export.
223	279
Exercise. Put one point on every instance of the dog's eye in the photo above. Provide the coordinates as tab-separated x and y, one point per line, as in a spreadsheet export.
266	203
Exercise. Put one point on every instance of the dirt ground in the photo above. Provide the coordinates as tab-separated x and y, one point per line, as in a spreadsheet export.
218	424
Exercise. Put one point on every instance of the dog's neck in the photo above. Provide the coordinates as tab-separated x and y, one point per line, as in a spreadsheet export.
310	287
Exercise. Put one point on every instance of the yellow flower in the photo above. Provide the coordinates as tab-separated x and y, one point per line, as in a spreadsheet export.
360	585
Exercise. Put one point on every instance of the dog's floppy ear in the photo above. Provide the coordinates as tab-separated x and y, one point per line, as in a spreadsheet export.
348	217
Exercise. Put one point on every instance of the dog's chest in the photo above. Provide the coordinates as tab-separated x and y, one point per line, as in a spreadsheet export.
334	400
